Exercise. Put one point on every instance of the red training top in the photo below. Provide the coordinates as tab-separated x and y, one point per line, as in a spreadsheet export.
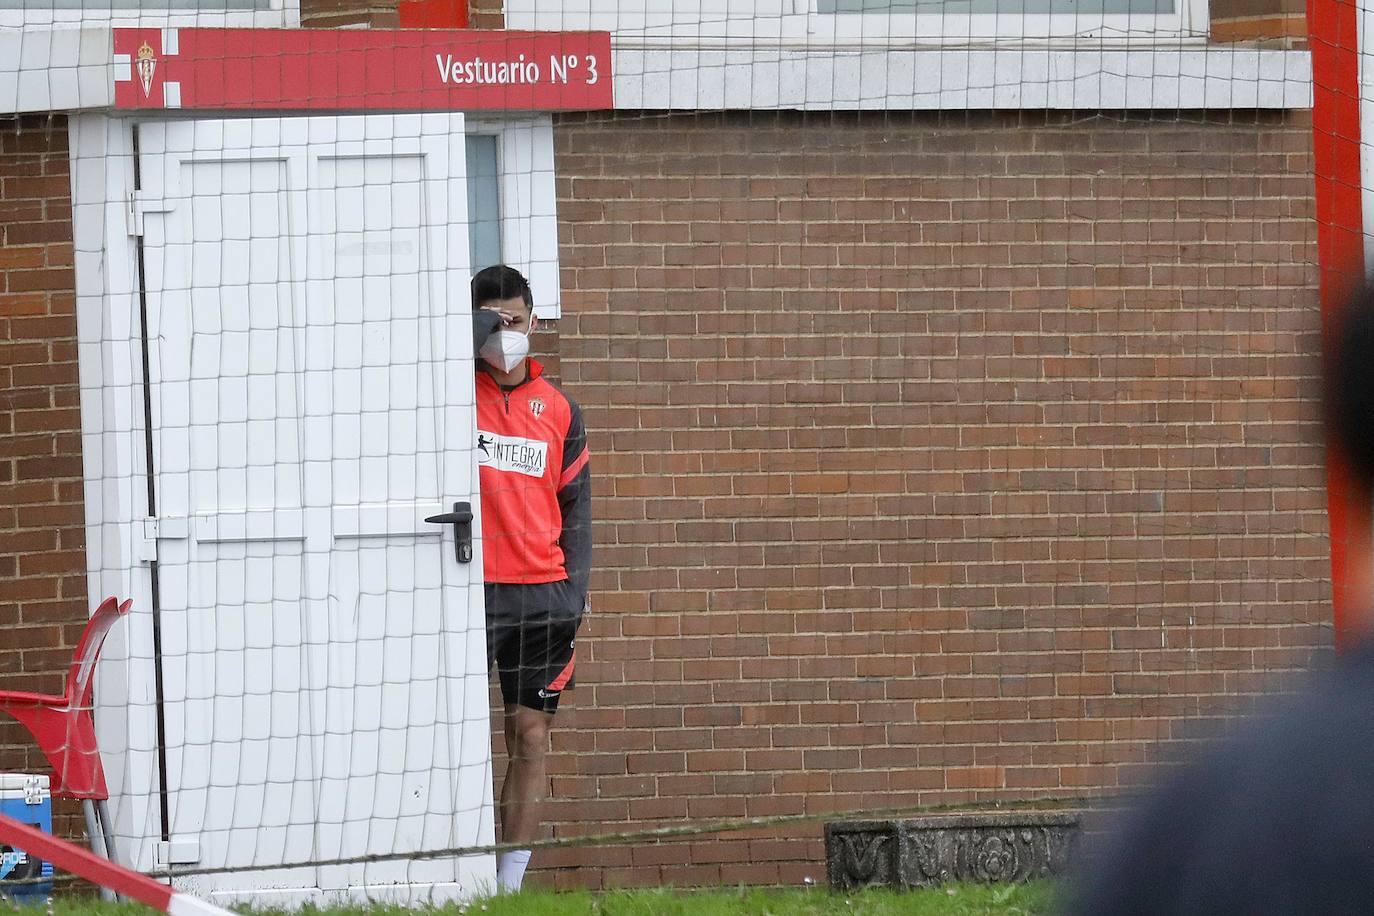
535	482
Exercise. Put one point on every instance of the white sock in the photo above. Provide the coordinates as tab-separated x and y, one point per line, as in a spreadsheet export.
510	868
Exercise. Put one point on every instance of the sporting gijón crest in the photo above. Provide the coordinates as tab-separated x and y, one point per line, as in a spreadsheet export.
144	63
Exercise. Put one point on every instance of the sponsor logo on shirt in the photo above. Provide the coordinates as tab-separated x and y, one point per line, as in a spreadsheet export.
512	453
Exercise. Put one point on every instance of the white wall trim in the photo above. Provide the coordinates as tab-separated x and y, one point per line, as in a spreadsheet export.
826	79
87	15
72	69
49	69
110	368
802	21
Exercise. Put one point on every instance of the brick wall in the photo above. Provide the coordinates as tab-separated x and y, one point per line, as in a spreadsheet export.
43	601
939	459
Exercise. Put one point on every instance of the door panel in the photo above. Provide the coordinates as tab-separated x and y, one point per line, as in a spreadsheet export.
323	661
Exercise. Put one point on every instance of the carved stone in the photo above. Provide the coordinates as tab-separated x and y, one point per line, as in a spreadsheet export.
926	851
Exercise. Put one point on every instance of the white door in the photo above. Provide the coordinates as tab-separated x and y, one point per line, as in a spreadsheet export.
322	653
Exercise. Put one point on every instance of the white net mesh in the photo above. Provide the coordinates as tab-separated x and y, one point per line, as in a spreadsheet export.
948	373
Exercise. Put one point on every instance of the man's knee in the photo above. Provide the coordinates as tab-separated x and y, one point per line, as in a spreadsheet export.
531	736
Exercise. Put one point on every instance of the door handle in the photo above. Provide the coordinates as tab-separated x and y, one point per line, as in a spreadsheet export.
461	520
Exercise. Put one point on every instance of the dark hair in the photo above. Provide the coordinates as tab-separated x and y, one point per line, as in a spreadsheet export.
492	284
1350	383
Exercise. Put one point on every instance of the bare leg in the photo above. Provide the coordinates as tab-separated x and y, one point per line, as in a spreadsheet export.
522	794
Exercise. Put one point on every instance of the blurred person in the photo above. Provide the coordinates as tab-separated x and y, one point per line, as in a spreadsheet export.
1278	818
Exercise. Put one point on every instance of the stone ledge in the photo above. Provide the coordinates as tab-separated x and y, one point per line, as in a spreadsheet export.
927	851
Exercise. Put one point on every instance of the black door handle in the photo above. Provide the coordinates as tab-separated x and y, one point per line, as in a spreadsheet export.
461	520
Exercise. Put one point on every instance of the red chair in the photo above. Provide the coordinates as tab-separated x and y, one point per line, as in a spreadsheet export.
65	729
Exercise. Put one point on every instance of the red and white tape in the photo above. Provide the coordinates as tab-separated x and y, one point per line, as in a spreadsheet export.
80	861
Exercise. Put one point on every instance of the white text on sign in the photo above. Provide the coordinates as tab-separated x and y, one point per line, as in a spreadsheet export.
519	72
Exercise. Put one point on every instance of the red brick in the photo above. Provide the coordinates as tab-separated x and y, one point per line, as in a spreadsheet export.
19	281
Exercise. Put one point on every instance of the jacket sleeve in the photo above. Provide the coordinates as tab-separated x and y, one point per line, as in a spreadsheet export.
484	321
575	503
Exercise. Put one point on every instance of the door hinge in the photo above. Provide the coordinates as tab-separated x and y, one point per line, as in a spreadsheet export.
148	531
141	204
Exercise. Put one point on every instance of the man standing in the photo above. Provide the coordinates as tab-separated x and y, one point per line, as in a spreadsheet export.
536	541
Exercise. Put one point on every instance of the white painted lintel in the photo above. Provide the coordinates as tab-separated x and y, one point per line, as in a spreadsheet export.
1182	76
64	69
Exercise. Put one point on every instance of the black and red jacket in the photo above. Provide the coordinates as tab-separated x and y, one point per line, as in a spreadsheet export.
535	481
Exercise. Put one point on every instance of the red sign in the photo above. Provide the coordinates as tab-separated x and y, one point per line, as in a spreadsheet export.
365	69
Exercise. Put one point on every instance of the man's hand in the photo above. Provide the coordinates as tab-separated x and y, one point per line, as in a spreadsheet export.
508	319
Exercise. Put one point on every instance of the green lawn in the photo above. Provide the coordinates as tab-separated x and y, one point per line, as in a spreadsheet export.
961	900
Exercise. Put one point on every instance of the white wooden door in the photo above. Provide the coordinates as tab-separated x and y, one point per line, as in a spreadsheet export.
322	651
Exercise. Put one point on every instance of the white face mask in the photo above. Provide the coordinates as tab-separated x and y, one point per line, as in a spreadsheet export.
506	349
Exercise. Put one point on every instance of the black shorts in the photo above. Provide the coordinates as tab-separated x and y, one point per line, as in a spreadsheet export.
531	639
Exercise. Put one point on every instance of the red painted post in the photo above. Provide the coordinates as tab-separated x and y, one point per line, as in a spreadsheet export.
1333	36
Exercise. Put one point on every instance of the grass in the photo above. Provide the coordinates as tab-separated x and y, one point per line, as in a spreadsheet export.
957	900
964	900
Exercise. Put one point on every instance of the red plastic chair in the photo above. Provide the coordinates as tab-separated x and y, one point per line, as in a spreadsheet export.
65	729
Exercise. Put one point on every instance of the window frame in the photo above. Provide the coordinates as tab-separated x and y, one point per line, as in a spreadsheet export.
528	201
278	14
863	28
501	209
788	22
